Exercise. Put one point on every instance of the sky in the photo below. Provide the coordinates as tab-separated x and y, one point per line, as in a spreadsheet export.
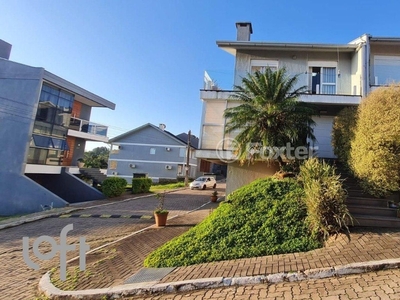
149	57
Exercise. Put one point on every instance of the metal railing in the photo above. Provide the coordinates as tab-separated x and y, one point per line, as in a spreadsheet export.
87	126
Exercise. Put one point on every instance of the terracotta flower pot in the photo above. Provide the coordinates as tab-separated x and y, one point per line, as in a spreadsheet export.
214	198
161	219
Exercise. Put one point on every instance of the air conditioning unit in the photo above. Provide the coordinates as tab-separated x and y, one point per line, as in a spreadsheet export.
115	173
168	149
168	167
132	166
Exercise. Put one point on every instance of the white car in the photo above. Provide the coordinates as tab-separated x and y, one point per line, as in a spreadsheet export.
203	182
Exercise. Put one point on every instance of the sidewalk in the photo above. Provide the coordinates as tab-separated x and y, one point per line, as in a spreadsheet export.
110	267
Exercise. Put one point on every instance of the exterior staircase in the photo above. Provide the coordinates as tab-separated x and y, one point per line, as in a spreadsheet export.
366	209
94	174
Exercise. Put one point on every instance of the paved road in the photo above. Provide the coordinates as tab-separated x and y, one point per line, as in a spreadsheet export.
18	281
374	286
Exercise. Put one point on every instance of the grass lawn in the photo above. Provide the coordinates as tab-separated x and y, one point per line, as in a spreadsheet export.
169	186
263	218
160	187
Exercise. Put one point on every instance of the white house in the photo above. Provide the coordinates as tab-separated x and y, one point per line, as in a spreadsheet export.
337	76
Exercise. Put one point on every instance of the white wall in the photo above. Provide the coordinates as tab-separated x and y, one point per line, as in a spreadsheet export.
239	176
322	132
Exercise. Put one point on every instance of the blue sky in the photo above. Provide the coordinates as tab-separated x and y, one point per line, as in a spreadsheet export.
149	57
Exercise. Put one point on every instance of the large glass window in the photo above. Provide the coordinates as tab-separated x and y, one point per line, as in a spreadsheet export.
51	125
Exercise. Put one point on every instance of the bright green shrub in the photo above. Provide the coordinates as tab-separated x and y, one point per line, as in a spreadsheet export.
141	185
344	125
325	198
375	151
113	186
263	218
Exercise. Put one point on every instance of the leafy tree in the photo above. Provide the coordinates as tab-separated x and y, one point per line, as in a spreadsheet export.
269	114
97	158
344	125
375	150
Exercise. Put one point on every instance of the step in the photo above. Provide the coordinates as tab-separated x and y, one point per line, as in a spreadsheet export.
367	201
372	210
375	221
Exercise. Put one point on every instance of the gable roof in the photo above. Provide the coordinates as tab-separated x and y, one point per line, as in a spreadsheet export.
130	132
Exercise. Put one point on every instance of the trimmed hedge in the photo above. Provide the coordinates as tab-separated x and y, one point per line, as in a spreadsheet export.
113	186
344	125
263	218
141	185
375	150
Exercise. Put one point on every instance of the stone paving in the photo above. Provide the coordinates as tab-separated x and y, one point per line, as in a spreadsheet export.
18	281
374	286
109	265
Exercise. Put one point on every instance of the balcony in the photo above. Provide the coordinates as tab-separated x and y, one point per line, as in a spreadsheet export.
331	99
87	130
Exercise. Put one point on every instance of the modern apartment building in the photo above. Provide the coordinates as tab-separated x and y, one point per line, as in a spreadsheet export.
337	76
45	123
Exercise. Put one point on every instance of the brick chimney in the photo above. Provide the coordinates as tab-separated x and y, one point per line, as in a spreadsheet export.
244	30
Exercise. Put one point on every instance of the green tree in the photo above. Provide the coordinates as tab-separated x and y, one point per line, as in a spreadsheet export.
375	150
97	158
344	125
269	114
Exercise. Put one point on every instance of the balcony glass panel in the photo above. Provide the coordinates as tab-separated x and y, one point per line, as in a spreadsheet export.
88	127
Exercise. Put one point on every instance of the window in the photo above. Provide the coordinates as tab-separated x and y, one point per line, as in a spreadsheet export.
153	151
113	164
261	65
51	126
182	152
386	69
322	77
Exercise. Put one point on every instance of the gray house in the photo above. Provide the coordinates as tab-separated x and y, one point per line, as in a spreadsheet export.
45	123
153	152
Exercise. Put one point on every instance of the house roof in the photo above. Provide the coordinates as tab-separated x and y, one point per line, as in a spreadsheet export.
232	46
130	132
81	94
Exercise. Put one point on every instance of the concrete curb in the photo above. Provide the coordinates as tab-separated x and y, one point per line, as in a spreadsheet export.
48	289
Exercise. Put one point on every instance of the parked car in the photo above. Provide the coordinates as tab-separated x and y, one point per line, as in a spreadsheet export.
203	182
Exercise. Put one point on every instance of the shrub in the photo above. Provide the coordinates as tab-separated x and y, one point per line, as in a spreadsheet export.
375	150
113	186
325	198
263	218
141	185
344	125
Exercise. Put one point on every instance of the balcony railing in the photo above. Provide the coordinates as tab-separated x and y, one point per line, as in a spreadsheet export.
88	127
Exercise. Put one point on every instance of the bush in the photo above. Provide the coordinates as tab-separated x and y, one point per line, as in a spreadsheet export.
113	186
325	198
263	218
344	125
375	150
141	185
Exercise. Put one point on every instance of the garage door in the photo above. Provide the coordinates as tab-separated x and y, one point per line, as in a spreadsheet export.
322	132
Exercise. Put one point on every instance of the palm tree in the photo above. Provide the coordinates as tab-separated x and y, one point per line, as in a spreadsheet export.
270	114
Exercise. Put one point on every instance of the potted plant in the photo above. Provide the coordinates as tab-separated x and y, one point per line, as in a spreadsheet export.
214	196
81	162
161	214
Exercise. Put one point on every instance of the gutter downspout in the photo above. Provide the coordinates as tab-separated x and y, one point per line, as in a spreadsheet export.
367	84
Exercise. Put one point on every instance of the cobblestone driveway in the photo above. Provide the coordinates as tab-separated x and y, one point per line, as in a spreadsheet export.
17	281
